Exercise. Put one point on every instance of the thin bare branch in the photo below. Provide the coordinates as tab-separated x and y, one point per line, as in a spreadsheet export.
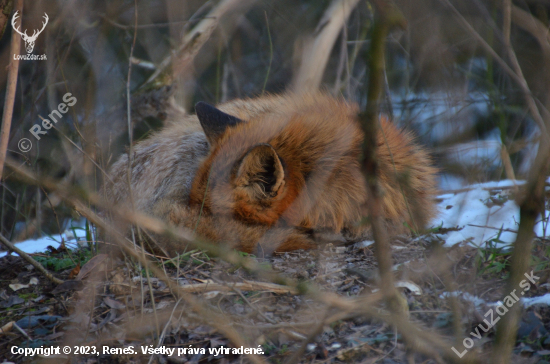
316	54
387	18
11	88
518	78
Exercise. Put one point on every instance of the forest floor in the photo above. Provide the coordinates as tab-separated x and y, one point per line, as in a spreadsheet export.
109	305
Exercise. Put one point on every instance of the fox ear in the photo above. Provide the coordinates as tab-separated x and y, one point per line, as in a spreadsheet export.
213	121
261	172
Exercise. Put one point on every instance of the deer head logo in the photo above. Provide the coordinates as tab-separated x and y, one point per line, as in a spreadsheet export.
29	41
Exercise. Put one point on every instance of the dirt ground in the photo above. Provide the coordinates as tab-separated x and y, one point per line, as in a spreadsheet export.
109	305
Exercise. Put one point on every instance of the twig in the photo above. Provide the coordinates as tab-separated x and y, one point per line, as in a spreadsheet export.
388	17
22	331
466	189
161	338
246	286
254	307
494	228
217	320
278	326
29	259
270	52
11	88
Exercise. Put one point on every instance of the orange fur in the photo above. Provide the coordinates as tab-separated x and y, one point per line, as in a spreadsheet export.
289	169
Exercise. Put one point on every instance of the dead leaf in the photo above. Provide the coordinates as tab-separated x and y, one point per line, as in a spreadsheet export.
118	287
18	286
90	265
113	303
12	301
66	286
413	287
74	272
61	249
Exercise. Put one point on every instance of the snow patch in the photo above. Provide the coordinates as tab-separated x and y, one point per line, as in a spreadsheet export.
540	300
70	236
481	215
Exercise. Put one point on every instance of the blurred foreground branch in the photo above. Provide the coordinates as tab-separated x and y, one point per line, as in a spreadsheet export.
387	17
317	49
11	88
532	201
417	338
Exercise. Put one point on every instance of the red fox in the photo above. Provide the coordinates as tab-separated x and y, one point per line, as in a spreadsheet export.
267	174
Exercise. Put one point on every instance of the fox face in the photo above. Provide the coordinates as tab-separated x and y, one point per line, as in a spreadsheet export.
297	168
247	183
269	173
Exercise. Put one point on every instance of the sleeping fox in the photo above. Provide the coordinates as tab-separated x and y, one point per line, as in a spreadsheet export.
268	174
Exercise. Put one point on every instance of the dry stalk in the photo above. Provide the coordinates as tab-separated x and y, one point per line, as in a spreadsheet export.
387	17
131	161
245	286
192	42
161	337
11	88
316	53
